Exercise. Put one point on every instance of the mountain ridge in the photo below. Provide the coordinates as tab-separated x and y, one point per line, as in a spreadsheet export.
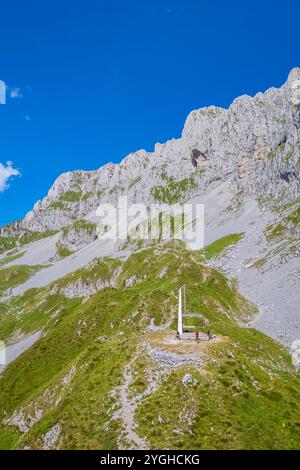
242	163
90	323
255	143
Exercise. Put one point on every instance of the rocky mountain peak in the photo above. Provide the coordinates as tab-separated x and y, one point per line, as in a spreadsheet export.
255	144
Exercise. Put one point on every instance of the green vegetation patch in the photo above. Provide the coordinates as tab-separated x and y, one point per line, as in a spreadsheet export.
274	231
235	405
57	205
15	275
24	238
11	257
84	225
101	269
36	306
86	196
71	196
220	245
243	395
7	243
294	217
62	251
287	223
173	191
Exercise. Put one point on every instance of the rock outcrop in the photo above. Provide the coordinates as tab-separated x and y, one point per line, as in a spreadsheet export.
78	235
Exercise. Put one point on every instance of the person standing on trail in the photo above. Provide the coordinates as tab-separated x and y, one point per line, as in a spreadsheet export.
197	336
177	335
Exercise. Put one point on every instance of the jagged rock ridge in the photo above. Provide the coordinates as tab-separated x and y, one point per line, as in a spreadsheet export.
255	144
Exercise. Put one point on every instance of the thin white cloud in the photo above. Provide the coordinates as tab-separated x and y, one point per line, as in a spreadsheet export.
6	172
27	118
171	10
16	93
2	92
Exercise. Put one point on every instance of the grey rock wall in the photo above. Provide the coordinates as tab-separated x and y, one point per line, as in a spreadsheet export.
255	144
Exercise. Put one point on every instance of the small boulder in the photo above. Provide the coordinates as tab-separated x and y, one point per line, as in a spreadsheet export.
187	379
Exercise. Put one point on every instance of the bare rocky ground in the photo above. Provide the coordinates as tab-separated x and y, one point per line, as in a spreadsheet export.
127	410
276	290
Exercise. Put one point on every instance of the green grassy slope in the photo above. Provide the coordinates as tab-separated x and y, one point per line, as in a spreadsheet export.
15	275
24	238
220	245
243	396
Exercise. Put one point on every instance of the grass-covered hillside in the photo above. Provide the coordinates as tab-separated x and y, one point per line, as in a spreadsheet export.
22	238
104	376
15	275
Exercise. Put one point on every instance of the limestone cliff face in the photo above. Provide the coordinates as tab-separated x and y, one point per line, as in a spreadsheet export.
255	144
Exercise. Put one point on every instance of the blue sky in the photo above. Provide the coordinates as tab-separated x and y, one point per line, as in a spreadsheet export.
92	81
